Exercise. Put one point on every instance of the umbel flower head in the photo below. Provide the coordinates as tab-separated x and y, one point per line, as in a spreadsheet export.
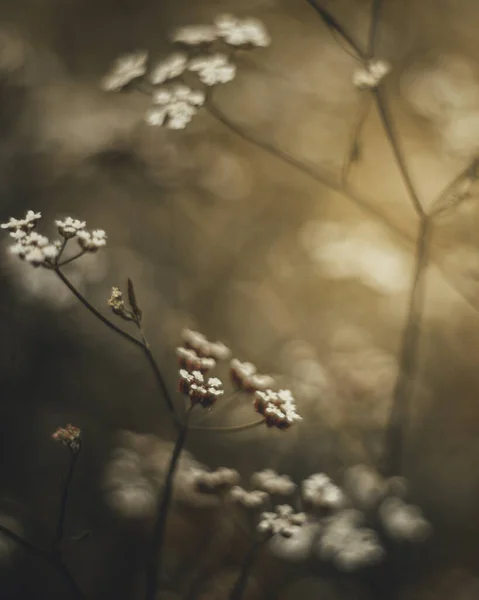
284	521
278	408
125	69
69	436
200	390
245	376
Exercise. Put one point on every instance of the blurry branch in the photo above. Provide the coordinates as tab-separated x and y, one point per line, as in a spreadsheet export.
375	14
449	198
63	505
52	560
335	26
388	127
354	150
143	344
310	171
239	587
155	555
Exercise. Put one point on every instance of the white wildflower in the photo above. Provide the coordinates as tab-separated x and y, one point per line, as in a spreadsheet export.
271	482
220	480
278	408
245	377
200	391
253	499
194	35
346	545
30	246
125	68
172	66
319	491
213	69
26	224
403	521
284	521
91	241
365	486
237	32
189	359
177	105
370	76
70	227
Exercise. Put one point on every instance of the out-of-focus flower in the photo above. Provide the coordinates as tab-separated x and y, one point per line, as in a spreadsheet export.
200	391
91	241
249	499
298	547
29	245
198	342
403	521
189	360
219	481
69	436
69	227
213	69
365	486
271	482
125	69
172	66
347	545
194	35
284	521
241	32
319	491
244	375
278	408
175	106
370	76
26	224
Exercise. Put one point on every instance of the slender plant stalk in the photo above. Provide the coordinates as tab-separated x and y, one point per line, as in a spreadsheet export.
143	344
64	501
52	559
229	429
155	557
239	587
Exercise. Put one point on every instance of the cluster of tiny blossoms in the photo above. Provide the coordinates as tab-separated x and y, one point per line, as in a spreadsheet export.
216	482
200	390
69	436
245	376
174	102
38	250
278	408
370	76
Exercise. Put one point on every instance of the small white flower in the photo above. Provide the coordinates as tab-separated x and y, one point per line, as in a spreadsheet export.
193	35
253	499
403	521
70	227
169	68
177	106
91	241
284	521
269	481
278	408
370	76
125	68
213	69
319	491
27	223
236	32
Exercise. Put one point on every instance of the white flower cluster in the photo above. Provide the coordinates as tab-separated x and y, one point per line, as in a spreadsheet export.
370	76
203	347
89	241
174	106
365	486
245	376
213	69
200	391
284	521
189	360
245	33
320	492
125	69
249	499
348	545
70	227
170	67
272	483
278	408
403	522
218	481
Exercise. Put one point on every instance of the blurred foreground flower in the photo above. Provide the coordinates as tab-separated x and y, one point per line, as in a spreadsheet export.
125	68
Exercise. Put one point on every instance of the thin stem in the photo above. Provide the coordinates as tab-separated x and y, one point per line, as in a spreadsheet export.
64	501
375	15
158	376
407	360
232	428
333	24
94	311
354	148
386	120
155	557
71	259
52	560
239	587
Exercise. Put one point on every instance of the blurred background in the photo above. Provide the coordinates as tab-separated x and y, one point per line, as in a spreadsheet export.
221	234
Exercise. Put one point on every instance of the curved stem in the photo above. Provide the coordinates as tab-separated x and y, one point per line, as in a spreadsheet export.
94	311
56	563
71	259
227	429
239	587
64	501
155	556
